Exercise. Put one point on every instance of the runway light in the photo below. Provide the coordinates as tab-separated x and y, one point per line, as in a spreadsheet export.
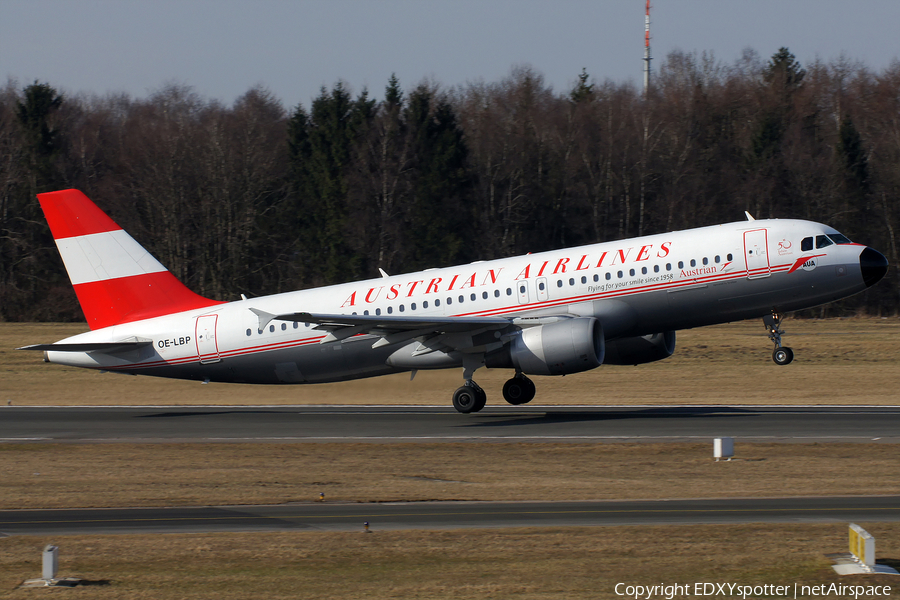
321	496
366	527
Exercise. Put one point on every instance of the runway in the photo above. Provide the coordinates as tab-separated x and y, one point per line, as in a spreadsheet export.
447	515
442	424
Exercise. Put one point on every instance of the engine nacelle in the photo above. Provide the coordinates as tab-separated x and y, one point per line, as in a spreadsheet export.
641	349
560	348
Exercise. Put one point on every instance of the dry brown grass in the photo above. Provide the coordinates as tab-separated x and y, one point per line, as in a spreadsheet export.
527	564
65	475
849	361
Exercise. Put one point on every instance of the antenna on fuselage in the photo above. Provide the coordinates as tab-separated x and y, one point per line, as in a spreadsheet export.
749	216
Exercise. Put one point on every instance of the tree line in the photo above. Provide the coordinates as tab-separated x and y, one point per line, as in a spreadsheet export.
254	198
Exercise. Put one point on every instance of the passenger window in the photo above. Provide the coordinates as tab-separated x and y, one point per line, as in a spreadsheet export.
559	283
631	272
401	308
693	263
717	259
461	299
730	257
705	261
583	279
296	324
485	295
668	266
643	270
541	286
271	329
412	306
608	276
248	332
509	291
472	297
596	278
377	311
437	302
656	268
390	310
425	304
496	293
366	313
620	274
284	326
822	241
571	281
680	264
449	301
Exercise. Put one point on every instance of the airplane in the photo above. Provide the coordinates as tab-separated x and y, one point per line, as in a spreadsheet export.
550	313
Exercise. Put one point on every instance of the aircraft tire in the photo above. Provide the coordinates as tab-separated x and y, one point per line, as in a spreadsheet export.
783	356
518	390
466	399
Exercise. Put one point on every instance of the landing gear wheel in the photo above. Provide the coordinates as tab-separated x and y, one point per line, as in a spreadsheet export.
469	398
518	390
783	356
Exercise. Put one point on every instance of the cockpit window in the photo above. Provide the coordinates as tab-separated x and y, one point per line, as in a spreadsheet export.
837	238
822	241
806	245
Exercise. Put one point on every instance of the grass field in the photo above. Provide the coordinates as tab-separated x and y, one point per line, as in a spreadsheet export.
838	361
95	475
525	564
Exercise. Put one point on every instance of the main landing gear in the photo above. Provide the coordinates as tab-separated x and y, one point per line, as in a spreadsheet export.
471	398
782	355
518	390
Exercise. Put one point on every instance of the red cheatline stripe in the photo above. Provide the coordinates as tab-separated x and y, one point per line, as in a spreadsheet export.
70	214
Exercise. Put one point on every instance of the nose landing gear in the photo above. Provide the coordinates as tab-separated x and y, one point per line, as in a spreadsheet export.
782	355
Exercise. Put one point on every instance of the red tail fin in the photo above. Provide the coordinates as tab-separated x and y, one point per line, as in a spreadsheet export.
115	278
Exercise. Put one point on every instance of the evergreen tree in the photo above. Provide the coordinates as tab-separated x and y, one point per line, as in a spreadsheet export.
43	140
321	146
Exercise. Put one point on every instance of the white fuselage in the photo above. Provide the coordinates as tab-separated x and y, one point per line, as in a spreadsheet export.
634	287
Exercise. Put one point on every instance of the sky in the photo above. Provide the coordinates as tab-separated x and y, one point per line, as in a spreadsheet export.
222	48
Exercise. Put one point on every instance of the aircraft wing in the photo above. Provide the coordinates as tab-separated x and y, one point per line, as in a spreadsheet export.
393	329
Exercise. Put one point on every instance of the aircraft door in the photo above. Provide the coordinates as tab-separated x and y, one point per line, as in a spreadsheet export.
205	334
541	290
522	288
756	254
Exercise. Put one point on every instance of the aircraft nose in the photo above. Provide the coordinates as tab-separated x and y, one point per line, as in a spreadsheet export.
873	265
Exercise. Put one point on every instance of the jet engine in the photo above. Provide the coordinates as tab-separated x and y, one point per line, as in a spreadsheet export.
560	348
640	349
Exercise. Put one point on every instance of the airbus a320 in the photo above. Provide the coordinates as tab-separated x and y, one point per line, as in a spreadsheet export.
552	313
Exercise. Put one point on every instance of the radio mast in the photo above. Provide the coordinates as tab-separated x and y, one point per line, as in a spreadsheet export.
647	50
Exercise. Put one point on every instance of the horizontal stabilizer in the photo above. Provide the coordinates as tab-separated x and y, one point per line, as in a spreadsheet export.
103	347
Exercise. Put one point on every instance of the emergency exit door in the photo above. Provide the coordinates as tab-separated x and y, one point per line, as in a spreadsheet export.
205	334
756	253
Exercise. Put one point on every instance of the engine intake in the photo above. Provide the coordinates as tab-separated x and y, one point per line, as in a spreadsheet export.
560	348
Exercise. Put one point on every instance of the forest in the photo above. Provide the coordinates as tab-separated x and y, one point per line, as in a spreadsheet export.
256	198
